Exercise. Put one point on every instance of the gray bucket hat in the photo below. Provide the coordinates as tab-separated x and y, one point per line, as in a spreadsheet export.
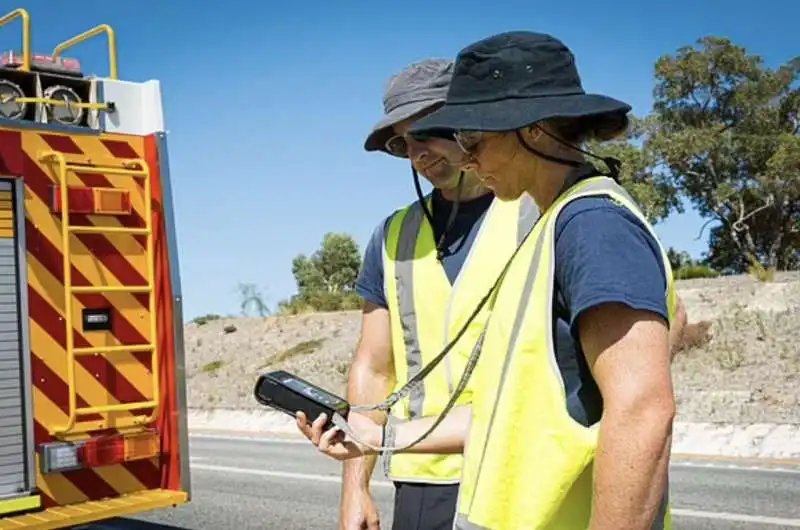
418	87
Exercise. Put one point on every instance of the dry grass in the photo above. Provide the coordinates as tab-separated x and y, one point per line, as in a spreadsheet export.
745	366
738	360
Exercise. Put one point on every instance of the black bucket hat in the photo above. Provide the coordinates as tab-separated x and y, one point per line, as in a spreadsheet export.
510	81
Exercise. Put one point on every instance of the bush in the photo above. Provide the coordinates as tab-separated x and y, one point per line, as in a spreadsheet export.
205	319
320	301
694	270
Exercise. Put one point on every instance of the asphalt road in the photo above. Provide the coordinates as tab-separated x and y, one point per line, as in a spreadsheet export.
285	485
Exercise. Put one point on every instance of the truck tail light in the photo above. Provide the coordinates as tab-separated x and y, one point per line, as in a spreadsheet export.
59	457
93	200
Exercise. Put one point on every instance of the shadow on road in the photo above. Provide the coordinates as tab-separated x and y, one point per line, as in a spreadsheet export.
128	524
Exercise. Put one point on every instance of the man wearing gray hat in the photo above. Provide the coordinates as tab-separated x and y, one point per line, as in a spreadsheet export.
456	236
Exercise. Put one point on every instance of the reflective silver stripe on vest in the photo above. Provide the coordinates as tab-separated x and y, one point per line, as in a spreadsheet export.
526	293
461	522
528	215
404	276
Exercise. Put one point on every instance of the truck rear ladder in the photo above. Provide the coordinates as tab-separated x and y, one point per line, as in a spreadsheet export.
71	163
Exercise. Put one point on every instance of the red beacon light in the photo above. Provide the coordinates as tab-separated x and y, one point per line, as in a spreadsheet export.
43	63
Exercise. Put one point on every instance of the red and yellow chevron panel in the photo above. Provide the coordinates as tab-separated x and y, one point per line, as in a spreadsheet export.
95	260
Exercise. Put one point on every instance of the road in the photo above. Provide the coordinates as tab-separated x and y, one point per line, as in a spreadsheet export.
285	485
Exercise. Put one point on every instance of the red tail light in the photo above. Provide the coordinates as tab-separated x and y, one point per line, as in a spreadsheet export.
93	200
58	457
102	452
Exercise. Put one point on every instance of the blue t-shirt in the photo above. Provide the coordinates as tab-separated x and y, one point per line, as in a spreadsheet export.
603	254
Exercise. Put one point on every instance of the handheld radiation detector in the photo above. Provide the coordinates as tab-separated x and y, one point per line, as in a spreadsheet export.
288	393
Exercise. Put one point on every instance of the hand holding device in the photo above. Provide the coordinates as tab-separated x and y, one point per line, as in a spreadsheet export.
289	394
363	435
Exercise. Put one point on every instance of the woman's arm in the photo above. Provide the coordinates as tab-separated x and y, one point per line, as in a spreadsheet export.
613	281
448	437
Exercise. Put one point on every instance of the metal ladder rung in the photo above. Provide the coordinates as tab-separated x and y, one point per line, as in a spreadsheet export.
114	349
98	289
111	166
108	230
105	170
121	407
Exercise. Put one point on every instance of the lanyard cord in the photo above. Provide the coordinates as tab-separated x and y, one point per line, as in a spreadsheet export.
340	422
453	211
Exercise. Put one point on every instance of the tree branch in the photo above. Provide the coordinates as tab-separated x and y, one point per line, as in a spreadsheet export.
702	228
739	225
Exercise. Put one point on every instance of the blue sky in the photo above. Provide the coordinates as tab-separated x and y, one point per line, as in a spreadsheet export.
267	104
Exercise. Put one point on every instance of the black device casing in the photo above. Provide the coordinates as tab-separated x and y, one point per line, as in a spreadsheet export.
272	391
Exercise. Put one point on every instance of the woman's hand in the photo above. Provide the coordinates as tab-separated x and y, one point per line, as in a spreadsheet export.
334	443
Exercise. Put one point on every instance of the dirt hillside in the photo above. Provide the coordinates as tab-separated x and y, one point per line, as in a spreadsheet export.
740	361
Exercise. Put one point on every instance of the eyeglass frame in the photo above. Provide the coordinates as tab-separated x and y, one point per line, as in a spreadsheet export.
450	136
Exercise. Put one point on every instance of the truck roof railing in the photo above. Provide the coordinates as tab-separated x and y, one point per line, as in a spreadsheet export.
26	35
86	35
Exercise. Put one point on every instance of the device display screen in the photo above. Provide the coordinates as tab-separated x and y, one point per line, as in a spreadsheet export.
311	392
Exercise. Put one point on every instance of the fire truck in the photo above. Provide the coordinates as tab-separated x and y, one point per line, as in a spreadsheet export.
92	388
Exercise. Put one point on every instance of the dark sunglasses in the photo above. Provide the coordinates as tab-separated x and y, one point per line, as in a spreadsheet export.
397	145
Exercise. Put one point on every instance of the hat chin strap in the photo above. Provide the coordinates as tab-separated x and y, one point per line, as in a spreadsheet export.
613	163
453	211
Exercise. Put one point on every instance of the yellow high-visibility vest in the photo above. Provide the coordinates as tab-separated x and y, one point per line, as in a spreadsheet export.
528	463
427	312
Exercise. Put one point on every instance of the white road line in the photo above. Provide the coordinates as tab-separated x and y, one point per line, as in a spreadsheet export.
678	512
281	474
737	517
245	438
675	463
737	467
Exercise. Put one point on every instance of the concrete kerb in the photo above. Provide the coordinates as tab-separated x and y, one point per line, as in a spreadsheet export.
761	442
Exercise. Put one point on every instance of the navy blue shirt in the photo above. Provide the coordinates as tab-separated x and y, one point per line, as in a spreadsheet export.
603	254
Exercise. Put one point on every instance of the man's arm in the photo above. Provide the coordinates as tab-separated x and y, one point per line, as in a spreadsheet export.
676	328
627	350
371	379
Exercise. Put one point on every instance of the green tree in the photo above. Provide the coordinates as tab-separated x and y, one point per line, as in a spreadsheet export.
326	280
686	268
653	191
333	267
725	130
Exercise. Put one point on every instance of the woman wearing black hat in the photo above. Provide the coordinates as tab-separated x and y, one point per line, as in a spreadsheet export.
580	320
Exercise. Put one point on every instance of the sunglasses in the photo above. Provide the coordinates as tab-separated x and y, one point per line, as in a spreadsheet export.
397	145
468	140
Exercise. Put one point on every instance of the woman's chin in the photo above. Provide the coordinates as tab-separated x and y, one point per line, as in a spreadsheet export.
503	193
500	191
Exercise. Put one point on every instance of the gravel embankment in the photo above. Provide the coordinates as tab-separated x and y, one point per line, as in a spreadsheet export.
747	372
